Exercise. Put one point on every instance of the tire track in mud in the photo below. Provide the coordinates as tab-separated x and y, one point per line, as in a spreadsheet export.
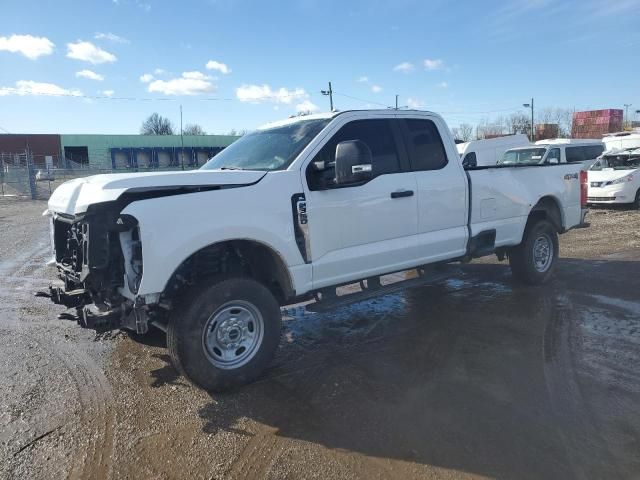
586	451
297	384
19	277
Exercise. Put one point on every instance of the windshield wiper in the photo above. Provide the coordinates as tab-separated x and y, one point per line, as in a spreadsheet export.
232	168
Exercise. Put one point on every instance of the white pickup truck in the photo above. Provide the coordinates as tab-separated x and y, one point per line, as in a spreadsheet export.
287	214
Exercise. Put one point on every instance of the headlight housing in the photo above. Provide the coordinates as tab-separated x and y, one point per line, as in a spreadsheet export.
626	178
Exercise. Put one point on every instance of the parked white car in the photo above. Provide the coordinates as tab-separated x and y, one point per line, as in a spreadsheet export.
287	214
489	151
615	178
556	151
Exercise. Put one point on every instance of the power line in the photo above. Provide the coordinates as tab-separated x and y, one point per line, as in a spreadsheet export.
172	99
360	99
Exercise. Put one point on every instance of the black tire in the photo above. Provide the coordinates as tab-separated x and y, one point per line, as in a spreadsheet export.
522	258
636	203
188	343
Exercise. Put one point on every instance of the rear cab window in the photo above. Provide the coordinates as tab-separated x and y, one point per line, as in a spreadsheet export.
426	150
575	154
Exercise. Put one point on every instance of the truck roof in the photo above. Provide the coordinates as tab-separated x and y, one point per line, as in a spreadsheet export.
569	141
328	115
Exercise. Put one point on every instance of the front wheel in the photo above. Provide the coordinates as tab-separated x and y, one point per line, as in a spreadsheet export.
225	333
636	202
534	260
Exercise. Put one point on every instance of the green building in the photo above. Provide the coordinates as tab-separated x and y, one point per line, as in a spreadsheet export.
122	152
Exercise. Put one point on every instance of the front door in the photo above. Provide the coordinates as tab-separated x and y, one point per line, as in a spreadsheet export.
365	229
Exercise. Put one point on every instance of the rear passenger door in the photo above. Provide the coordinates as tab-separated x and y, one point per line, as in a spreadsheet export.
442	191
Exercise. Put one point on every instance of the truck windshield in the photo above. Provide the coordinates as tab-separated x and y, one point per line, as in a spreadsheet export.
527	156
268	149
617	162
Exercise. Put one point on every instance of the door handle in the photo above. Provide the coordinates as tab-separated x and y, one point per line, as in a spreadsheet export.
402	193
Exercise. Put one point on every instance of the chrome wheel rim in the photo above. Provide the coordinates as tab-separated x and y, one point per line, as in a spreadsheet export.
233	334
542	253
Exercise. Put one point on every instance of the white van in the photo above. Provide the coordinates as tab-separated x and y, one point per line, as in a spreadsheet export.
489	151
560	150
615	178
622	140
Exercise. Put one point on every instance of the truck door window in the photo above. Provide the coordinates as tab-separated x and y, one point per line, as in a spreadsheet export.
553	153
378	136
574	154
593	151
426	150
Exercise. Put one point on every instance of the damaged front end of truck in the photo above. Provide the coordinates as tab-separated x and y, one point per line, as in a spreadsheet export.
98	257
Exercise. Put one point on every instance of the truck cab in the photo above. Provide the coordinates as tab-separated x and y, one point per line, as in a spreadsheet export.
556	151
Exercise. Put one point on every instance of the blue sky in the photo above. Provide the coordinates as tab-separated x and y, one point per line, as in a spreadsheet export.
102	66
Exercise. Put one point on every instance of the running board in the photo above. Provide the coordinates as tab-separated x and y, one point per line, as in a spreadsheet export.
331	301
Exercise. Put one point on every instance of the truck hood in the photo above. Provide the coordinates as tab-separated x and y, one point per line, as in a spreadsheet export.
608	175
75	196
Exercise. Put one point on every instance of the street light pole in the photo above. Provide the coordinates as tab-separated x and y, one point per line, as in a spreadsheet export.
626	115
181	141
533	133
330	94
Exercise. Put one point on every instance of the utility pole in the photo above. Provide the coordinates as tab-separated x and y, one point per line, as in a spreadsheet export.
533	132
396	101
181	141
625	124
330	94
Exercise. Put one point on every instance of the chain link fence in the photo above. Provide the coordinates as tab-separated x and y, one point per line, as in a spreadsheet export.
36	176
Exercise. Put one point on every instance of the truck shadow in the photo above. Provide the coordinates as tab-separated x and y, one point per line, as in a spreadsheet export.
476	375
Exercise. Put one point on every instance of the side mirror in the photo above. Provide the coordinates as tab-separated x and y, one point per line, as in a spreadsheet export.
553	161
469	162
353	162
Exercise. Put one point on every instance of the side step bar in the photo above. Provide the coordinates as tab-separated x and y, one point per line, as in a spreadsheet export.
375	289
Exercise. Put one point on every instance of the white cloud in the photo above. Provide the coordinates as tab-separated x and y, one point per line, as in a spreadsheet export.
195	75
443	85
376	88
404	67
414	103
112	37
363	79
220	67
264	93
190	83
306	106
146	78
433	64
159	71
107	93
89	75
88	52
28	45
29	87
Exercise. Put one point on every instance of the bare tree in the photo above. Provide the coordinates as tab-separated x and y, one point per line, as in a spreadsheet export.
518	123
156	124
193	129
563	117
465	132
489	129
237	133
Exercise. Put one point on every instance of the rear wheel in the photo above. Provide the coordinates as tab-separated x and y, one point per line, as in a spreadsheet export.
533	261
225	334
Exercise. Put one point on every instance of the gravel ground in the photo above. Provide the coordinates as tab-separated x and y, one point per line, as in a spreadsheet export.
472	378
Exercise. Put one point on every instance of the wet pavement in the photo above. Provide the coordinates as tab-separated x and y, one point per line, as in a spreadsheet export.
475	377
